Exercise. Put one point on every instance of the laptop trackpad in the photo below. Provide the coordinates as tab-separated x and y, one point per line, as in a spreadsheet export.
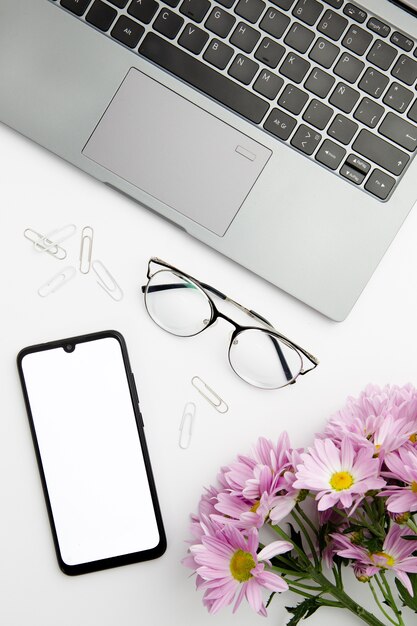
177	152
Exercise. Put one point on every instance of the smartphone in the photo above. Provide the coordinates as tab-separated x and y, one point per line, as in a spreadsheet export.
88	434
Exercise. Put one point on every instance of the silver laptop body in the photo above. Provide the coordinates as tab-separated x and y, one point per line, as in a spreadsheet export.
135	93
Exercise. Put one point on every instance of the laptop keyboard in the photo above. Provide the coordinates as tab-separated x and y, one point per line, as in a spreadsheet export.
327	78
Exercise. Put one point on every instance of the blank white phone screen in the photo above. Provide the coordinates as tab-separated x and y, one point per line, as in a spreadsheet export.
90	450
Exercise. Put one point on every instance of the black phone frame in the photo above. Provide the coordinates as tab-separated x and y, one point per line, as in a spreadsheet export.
124	559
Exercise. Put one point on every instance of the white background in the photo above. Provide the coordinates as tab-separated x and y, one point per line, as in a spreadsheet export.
375	344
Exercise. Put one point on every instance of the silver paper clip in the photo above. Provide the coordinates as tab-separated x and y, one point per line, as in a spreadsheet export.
86	249
106	281
57	281
209	394
36	238
186	426
55	237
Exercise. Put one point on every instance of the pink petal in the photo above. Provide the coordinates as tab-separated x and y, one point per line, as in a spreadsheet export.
272	581
253	594
274	548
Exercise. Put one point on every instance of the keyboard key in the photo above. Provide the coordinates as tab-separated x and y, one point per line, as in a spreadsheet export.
319	82
399	131
168	23
195	9
352	174
355	13
405	70
349	68
243	69
275	23
332	25
280	124
373	82
308	11
293	99
357	40
227	3
220	22
101	15
344	97
334	3
369	112
382	55
193	39
251	10
412	113
127	31
143	10
245	37
383	30
76	6
269	52
381	152
299	37
202	77
283	4
402	41
324	53
294	67
330	154
172	3
119	3
398	97
306	139
342	129
380	184
268	84
218	54
358	163
318	114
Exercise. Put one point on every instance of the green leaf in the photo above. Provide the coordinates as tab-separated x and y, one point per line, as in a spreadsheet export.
406	598
296	537
302	610
270	599
409	537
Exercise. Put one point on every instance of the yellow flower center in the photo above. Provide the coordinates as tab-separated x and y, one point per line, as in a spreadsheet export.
383	559
341	480
413	438
241	565
414	486
255	507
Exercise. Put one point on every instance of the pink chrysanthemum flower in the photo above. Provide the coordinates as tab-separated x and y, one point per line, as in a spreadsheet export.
384	418
288	496
241	513
338	475
251	477
229	569
402	465
396	555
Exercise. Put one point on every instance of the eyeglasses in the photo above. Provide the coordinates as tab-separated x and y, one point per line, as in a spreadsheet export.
182	306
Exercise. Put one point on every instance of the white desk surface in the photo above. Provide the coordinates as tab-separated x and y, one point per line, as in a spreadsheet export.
375	344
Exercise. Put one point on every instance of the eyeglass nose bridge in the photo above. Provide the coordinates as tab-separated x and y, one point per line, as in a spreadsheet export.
218	314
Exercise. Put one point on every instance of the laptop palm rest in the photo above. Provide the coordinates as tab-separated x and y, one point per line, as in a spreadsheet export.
176	152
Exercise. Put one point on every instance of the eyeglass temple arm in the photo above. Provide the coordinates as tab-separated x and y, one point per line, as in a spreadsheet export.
284	364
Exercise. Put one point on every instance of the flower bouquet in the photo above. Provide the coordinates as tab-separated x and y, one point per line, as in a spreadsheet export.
347	501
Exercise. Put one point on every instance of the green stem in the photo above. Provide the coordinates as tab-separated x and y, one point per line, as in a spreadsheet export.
411	524
308	538
299	551
391	599
306	519
374	593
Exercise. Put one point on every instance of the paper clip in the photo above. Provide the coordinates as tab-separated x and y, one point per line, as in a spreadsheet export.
106	281
86	249
186	426
54	237
36	238
56	281
209	394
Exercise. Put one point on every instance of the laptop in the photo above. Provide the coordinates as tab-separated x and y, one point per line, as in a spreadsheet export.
281	133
